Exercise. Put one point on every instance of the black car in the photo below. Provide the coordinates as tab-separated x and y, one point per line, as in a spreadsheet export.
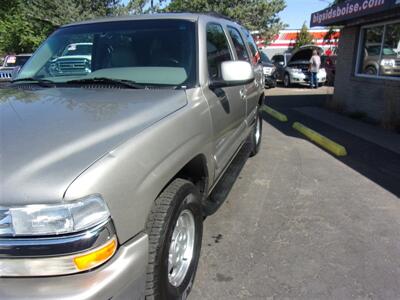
269	71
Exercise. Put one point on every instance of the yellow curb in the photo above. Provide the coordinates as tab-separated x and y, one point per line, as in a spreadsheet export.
276	114
321	140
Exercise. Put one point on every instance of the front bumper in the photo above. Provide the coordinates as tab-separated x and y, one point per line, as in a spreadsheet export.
123	277
305	78
390	71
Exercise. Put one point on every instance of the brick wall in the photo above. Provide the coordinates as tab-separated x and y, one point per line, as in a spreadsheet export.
378	98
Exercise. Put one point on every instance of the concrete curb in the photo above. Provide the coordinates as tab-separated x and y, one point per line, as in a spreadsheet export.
276	114
321	140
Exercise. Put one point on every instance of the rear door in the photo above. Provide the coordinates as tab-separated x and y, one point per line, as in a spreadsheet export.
256	88
227	107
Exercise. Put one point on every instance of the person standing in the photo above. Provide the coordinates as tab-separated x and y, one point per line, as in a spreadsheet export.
315	65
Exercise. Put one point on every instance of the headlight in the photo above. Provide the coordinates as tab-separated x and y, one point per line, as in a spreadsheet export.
268	70
55	219
388	63
47	240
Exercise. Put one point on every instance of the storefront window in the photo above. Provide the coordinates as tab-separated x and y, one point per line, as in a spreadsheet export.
390	63
380	51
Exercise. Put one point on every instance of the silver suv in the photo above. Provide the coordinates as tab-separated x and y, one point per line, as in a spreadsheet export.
105	175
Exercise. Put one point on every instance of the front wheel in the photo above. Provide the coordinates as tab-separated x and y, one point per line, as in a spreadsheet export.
175	229
286	80
371	70
256	135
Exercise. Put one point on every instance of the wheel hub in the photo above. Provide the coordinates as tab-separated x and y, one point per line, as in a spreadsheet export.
181	249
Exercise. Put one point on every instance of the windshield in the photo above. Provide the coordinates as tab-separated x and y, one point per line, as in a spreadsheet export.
149	52
15	61
376	50
264	57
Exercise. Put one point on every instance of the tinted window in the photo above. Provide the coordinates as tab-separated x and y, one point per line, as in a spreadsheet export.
252	46
239	44
217	49
277	58
264	57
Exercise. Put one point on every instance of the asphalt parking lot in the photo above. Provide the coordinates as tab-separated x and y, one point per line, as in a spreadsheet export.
300	223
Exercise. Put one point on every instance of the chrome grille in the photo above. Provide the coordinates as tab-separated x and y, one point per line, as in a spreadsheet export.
5	75
73	66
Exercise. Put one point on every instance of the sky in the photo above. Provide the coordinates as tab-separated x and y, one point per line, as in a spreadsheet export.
298	11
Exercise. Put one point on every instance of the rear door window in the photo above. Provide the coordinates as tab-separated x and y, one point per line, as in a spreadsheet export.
217	50
253	46
238	43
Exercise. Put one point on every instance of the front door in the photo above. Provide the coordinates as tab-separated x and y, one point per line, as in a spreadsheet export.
227	105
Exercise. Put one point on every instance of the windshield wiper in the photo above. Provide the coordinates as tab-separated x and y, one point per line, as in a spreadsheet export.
105	80
41	82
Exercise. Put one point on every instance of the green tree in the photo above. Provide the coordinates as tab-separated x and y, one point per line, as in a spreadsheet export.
18	34
261	15
24	24
304	37
59	12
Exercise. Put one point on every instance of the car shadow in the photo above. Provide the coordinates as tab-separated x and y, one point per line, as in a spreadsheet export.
225	184
376	163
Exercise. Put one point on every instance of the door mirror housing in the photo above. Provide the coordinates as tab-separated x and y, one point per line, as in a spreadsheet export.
234	73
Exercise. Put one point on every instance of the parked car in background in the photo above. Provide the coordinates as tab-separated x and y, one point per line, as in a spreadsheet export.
75	59
269	71
11	65
106	174
280	61
387	65
294	69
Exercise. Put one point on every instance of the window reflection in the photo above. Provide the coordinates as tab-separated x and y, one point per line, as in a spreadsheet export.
380	55
390	62
372	48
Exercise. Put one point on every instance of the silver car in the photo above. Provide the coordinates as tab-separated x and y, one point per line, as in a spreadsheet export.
293	68
105	176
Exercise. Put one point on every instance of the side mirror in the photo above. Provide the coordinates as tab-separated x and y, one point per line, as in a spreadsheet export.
234	73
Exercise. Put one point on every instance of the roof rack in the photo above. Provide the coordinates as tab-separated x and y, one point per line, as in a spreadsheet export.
217	15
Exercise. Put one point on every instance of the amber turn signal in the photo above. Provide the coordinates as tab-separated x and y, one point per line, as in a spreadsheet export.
96	257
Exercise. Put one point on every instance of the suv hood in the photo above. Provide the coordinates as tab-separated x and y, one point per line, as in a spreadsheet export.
49	136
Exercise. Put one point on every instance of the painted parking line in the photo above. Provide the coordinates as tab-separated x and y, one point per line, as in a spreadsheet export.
321	140
274	113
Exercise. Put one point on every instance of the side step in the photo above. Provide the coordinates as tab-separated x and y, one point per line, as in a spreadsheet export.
225	184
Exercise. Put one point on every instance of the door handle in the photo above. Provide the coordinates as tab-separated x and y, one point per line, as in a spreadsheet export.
243	93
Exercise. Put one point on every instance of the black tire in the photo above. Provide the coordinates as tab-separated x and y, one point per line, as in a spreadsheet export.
255	143
371	70
286	81
180	195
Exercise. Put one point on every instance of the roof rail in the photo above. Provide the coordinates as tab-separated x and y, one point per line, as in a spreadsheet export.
218	15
